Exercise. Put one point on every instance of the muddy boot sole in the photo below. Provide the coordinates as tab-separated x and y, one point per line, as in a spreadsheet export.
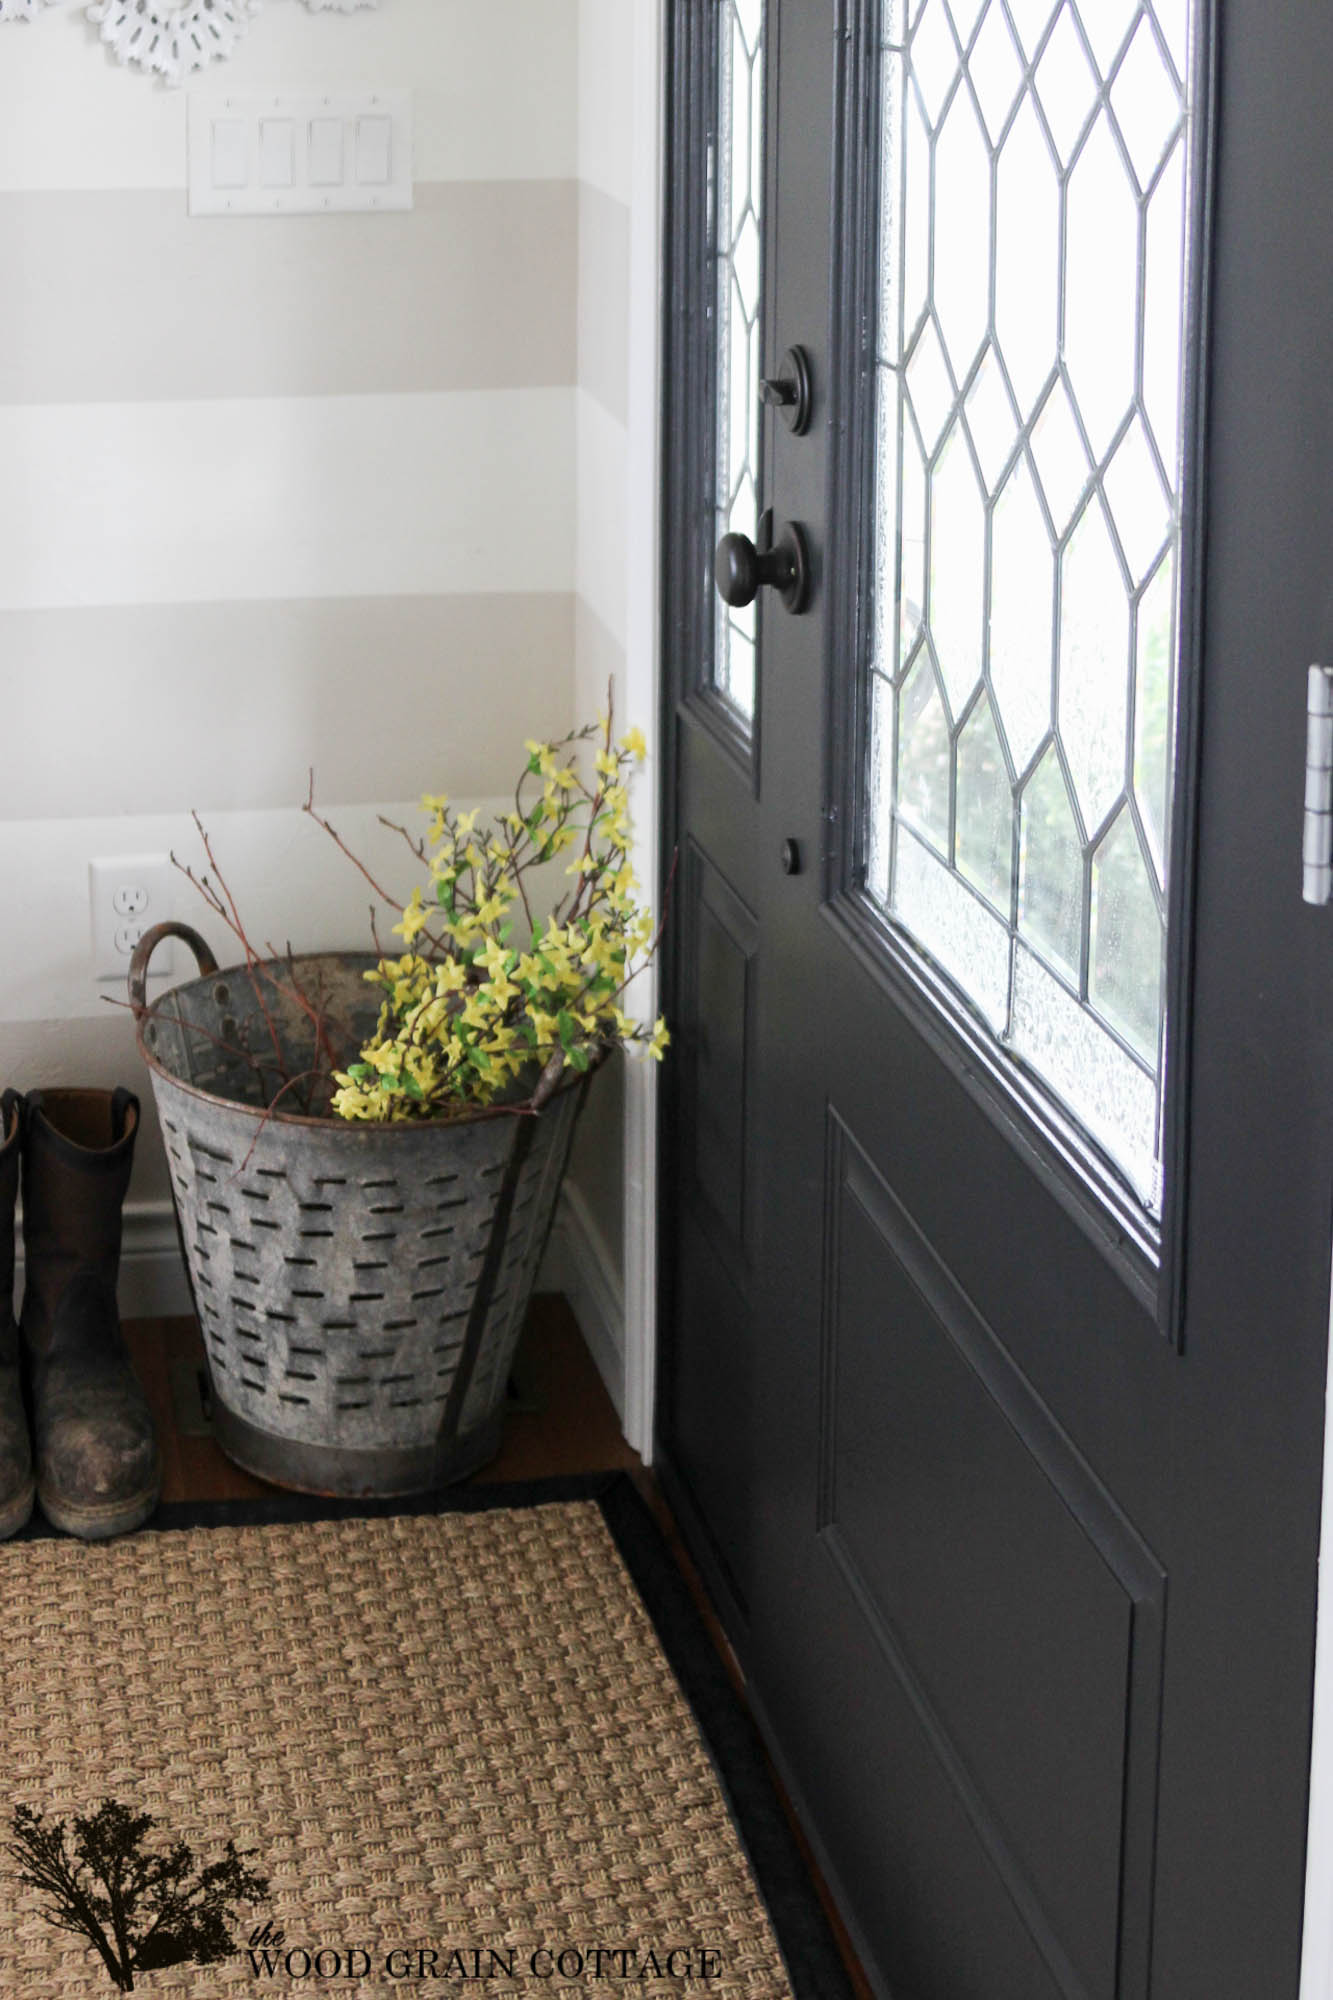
16	1513
98	1523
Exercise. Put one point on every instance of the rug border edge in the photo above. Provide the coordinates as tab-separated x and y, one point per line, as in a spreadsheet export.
730	1735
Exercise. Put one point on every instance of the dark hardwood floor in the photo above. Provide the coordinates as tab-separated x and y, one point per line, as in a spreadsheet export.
562	1421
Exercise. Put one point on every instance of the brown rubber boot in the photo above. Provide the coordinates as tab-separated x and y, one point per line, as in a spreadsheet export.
97	1461
16	1481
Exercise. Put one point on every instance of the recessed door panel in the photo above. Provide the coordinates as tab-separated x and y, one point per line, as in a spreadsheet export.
997	1576
713	1401
717	990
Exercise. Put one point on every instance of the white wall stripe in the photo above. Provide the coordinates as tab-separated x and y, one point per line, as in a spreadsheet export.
225	705
603	300
162	503
495	85
602	446
607	107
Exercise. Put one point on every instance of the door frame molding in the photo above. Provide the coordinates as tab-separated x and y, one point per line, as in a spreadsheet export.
1317	1931
641	695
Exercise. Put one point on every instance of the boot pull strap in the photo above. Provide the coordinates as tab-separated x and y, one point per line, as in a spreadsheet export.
144	950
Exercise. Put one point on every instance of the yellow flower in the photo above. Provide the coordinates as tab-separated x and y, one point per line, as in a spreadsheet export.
414	919
634	743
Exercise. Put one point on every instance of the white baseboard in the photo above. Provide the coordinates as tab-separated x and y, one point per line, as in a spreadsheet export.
153	1284
579	1263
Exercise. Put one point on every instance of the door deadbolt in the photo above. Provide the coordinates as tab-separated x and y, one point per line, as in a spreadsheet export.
791	393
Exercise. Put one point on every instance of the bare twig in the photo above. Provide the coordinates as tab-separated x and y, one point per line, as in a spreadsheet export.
341	844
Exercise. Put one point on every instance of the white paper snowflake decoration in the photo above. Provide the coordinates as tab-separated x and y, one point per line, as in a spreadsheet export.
172	38
21	10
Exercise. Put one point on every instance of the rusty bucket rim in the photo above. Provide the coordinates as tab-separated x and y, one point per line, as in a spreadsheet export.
145	1014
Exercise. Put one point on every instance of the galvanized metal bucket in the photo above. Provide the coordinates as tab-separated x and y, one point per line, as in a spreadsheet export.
361	1288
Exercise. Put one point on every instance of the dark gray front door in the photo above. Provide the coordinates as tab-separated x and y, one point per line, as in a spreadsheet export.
998	1160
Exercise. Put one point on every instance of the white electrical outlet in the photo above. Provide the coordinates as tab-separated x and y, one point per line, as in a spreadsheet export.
129	895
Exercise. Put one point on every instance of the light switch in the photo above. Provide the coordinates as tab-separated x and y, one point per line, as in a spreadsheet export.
326	152
277	152
231	152
323	152
374	151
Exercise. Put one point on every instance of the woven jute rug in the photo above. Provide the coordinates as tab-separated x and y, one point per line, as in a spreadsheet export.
439	1751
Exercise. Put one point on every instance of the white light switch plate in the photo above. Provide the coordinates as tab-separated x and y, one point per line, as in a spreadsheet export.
288	152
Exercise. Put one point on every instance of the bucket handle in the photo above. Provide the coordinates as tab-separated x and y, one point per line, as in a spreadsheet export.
144	950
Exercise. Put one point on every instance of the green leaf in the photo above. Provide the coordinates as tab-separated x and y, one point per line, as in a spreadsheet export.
413	1088
565	1023
578	1057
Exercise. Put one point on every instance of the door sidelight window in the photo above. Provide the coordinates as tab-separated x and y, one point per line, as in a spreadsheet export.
737	203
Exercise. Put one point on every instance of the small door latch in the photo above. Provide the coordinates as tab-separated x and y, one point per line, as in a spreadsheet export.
791	393
1317	843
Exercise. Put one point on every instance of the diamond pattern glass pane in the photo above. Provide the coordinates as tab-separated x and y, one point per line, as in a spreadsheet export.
1027	257
965	15
1066	85
1140	504
1062	461
1050	869
990	420
1125	962
738	203
912	544
933	59
1146	103
983	843
957	569
1154	708
997	71
1101	286
924	755
1162	304
929	387
1113	1097
1022	609
1021	711
1106	24
1094	667
1030	18
962	233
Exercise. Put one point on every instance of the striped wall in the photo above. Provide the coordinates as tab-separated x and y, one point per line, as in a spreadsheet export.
605	196
333	491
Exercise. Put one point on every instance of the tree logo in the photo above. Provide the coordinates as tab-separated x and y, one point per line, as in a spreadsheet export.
139	1906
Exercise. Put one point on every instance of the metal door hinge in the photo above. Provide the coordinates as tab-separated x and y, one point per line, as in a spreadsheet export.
1317	843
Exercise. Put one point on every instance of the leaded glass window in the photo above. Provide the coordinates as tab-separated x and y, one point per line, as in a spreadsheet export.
737	196
1030	440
